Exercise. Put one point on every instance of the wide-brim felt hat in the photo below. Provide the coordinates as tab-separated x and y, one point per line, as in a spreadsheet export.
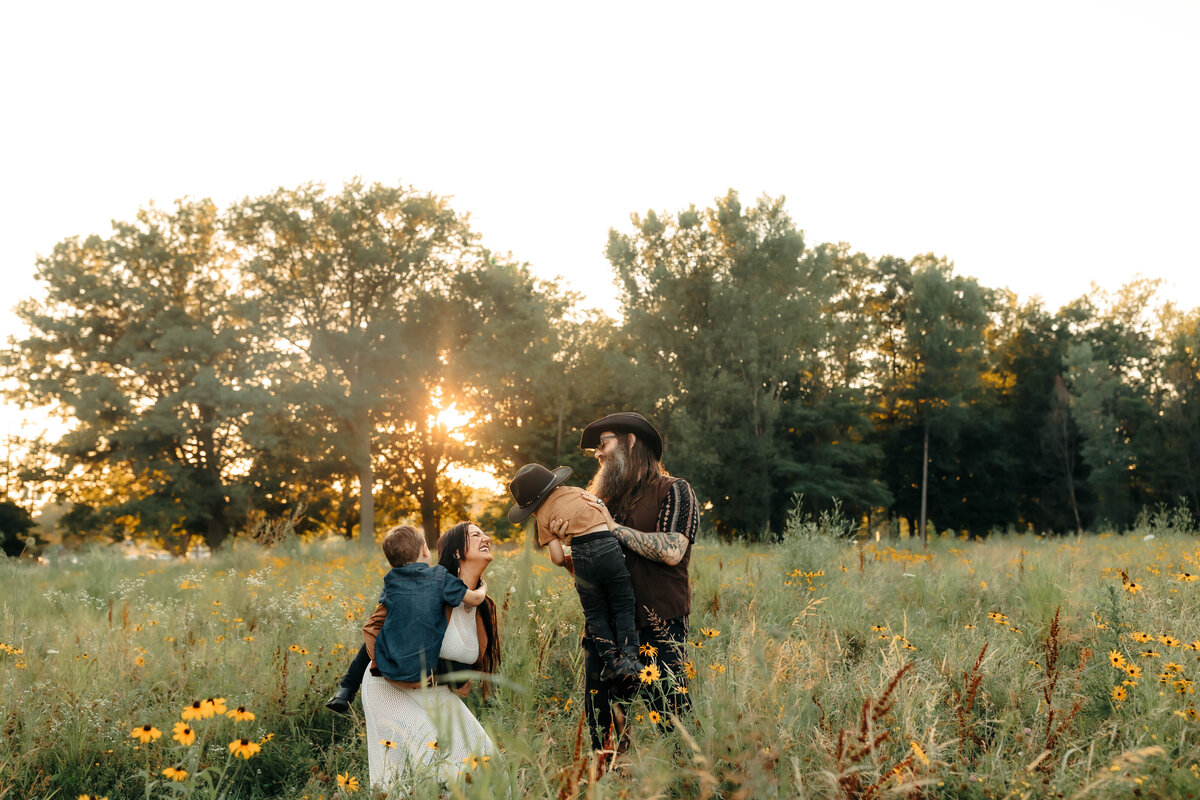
532	484
623	422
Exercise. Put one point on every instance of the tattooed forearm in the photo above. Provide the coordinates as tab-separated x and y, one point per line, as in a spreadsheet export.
665	546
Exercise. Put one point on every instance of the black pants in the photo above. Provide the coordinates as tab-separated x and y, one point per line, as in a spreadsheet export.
669	639
605	592
354	673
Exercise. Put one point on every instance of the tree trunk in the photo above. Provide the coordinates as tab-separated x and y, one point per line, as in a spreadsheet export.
925	486
361	430
429	500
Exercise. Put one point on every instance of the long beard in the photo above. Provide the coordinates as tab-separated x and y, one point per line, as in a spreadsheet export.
609	481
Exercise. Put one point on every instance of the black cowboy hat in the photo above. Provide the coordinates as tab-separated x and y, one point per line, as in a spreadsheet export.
623	422
532	484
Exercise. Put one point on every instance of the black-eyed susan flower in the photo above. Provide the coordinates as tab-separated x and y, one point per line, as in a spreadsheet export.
89	797
1184	686
244	748
969	627
1119	694
388	744
1133	587
1192	645
240	714
1173	668
1140	638
689	669
1116	658
348	782
177	774
1149	654
717	668
1186	577
709	633
879	628
197	710
654	717
1169	640
140	661
649	674
432	745
648	650
1133	670
216	706
184	734
1035	664
919	753
146	733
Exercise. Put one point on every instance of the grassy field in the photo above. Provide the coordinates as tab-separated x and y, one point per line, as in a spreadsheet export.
1013	667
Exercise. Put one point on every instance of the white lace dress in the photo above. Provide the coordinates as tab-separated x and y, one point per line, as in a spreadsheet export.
426	731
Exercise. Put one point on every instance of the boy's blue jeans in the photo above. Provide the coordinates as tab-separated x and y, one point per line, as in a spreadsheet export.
605	592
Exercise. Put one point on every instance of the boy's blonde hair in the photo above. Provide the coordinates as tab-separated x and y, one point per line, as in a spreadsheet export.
402	545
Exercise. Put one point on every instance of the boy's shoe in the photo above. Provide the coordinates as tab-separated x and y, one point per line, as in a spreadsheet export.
341	700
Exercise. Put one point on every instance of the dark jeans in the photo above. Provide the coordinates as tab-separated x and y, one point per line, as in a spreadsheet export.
664	695
354	673
605	592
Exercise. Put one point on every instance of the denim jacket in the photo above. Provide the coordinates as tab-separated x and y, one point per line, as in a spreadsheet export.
416	596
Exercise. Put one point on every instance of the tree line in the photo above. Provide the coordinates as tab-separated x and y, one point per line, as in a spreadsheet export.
222	367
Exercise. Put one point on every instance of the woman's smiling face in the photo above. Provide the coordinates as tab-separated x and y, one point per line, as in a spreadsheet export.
479	546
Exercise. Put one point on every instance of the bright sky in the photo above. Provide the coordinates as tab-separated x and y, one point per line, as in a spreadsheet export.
1038	145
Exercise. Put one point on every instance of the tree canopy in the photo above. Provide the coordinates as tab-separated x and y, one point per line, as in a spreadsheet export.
348	352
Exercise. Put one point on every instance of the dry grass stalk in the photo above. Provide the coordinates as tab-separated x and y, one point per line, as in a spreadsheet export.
1053	732
853	748
964	702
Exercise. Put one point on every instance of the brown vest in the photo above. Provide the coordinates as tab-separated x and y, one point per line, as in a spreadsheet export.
662	590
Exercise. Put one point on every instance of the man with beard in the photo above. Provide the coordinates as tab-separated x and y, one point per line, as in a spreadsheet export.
656	520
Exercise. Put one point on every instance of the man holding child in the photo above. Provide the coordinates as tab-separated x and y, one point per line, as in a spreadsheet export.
656	521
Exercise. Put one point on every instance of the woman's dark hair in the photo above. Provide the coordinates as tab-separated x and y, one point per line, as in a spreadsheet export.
452	547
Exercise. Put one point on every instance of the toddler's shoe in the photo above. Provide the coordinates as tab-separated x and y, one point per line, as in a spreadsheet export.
341	700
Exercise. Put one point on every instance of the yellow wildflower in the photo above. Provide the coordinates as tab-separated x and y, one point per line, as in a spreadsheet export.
146	733
184	734
244	748
177	774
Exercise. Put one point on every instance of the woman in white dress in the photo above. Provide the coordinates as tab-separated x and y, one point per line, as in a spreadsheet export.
429	730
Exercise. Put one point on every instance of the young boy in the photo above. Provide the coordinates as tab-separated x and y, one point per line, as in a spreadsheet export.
419	622
601	580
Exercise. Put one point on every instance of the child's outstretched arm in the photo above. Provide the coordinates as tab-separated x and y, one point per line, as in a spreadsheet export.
476	596
556	552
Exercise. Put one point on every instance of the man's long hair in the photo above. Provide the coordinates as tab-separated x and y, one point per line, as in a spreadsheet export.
625	476
452	546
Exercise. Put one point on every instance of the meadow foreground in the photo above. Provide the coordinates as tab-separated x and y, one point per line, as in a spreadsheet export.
1018	666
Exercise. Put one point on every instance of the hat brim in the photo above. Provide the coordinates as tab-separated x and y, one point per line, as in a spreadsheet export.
623	422
518	514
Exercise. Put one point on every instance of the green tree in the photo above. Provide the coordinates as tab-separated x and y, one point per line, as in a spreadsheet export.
337	277
1112	370
15	524
141	346
935	359
722	314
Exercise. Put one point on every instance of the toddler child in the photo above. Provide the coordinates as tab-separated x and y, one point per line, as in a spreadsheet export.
601	580
414	596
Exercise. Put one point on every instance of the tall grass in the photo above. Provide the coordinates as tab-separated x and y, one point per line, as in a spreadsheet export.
825	667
